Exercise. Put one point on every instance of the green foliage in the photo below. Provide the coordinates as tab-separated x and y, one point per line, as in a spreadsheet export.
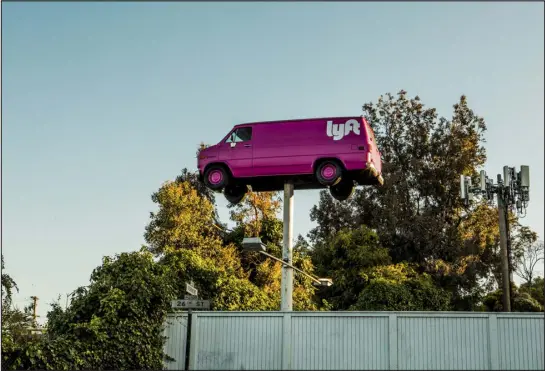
8	285
114	323
346	257
15	322
225	286
193	179
185	220
409	245
418	215
522	301
400	288
536	289
57	354
365	279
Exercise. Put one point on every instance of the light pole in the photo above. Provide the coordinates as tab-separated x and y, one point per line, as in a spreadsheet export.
287	249
255	244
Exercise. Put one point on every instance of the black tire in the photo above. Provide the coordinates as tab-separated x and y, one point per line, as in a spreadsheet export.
328	173
342	190
216	177
235	193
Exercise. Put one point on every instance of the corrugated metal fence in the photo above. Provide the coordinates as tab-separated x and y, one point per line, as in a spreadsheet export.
357	341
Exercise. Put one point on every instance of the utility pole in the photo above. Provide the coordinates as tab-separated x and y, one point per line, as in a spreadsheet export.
34	308
287	249
513	191
504	254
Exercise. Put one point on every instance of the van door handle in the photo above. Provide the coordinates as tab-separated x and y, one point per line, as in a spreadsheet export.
247	145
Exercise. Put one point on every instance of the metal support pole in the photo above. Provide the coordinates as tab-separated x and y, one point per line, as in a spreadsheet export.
506	286
188	340
287	249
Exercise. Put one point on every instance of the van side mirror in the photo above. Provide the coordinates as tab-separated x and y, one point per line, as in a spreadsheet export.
233	144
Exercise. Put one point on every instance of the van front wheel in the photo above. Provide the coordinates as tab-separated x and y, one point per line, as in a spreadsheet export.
343	190
328	173
235	193
216	177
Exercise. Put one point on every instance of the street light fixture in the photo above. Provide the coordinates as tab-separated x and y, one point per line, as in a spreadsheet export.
255	244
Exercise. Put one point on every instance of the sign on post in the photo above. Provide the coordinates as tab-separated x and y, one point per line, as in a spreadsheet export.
190	304
191	289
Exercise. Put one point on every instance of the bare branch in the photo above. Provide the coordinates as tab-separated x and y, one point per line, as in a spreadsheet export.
531	256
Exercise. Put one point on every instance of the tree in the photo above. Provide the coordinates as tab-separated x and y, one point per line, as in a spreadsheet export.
346	257
256	216
399	287
184	233
193	179
536	289
522	301
184	220
8	285
115	323
15	322
225	284
528	260
418	215
254	209
366	279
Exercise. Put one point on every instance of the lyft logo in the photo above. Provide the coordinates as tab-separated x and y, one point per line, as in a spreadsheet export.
338	131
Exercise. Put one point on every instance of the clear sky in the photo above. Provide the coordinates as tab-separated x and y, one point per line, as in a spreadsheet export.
103	102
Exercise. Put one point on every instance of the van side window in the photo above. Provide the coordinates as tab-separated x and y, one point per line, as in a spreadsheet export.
240	135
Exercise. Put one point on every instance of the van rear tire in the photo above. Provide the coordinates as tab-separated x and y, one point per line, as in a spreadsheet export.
234	194
216	177
328	173
342	190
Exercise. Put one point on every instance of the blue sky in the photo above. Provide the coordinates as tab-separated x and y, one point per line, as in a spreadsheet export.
103	102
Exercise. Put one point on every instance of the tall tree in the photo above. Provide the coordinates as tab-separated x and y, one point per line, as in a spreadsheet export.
193	179
417	214
254	209
184	219
185	234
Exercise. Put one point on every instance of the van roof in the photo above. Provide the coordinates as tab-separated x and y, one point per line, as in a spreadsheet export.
295	120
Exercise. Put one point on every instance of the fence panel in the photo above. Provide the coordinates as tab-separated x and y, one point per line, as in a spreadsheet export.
237	342
176	333
339	342
520	343
442	343
359	340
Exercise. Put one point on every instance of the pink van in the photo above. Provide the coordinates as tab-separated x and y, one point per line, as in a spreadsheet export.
314	153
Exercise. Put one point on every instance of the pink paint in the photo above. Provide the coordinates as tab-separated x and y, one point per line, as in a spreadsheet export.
265	154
